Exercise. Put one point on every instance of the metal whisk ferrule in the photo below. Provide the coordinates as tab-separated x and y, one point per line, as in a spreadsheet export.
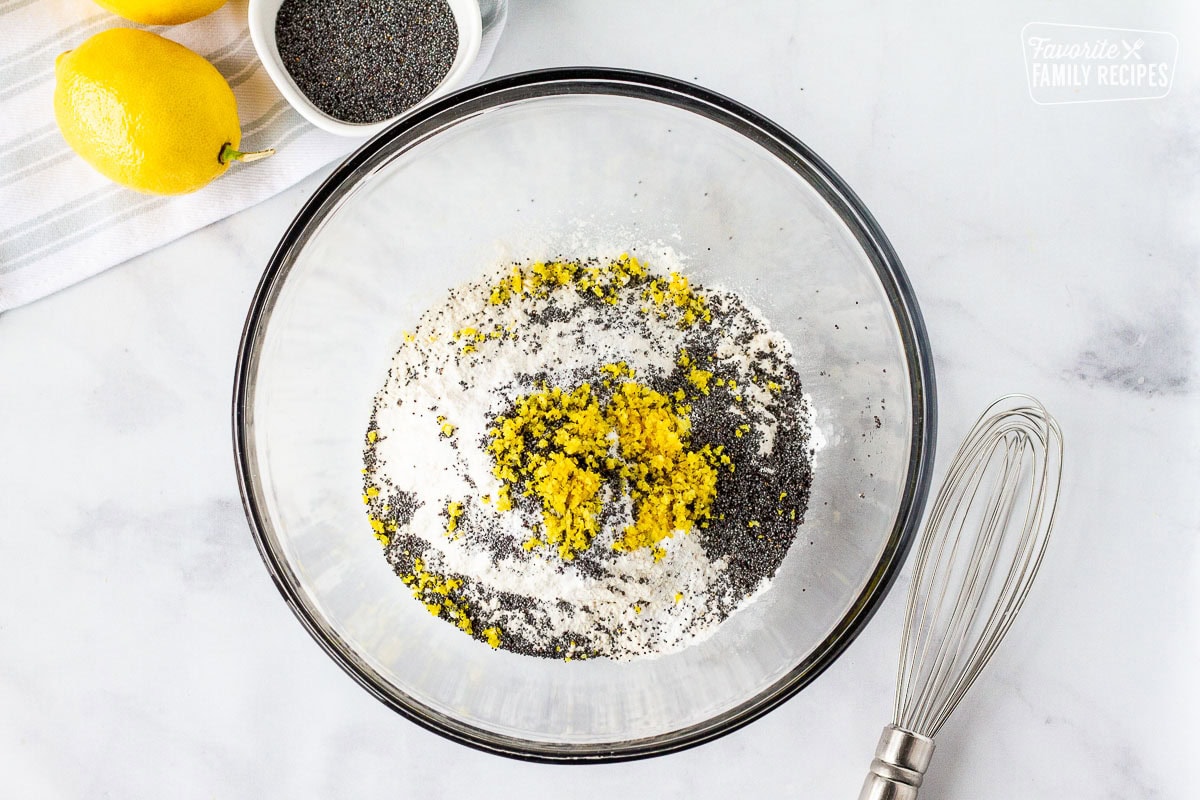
901	758
983	543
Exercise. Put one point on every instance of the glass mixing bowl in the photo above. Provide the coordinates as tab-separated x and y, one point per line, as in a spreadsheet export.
521	167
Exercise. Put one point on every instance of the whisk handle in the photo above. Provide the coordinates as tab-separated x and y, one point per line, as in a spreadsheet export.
901	758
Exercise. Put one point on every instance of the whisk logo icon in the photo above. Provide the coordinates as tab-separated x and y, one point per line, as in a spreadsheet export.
1085	64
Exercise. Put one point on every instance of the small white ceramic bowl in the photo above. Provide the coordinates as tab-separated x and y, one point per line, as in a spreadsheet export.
262	15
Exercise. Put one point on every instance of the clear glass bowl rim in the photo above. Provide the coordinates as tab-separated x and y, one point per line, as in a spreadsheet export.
426	122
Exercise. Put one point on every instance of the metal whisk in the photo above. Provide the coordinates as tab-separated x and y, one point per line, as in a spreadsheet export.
982	546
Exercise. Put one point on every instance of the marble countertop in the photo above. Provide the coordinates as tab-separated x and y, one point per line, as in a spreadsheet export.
144	651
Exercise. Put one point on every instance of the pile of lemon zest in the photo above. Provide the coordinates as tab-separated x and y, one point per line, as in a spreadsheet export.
372	491
679	289
435	591
618	370
492	635
448	429
700	379
568	435
672	486
605	282
676	293
500	294
454	510
678	597
654	292
462	620
555	447
376	525
503	499
372	436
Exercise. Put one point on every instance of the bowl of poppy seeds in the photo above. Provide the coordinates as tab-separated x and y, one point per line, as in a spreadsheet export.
351	67
584	415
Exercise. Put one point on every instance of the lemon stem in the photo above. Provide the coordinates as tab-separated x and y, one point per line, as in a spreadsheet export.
228	153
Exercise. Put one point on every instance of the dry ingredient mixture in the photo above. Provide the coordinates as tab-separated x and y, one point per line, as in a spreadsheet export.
366	60
585	458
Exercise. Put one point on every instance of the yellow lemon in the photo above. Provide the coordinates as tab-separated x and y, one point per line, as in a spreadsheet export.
146	112
157	12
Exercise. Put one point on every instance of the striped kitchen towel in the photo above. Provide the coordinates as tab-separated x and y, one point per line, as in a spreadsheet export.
60	220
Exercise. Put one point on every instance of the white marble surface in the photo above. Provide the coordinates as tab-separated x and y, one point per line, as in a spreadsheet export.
145	653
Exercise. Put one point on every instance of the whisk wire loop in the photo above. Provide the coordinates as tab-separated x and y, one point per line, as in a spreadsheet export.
984	541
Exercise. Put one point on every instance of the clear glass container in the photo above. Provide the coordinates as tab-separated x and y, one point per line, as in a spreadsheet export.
493	173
